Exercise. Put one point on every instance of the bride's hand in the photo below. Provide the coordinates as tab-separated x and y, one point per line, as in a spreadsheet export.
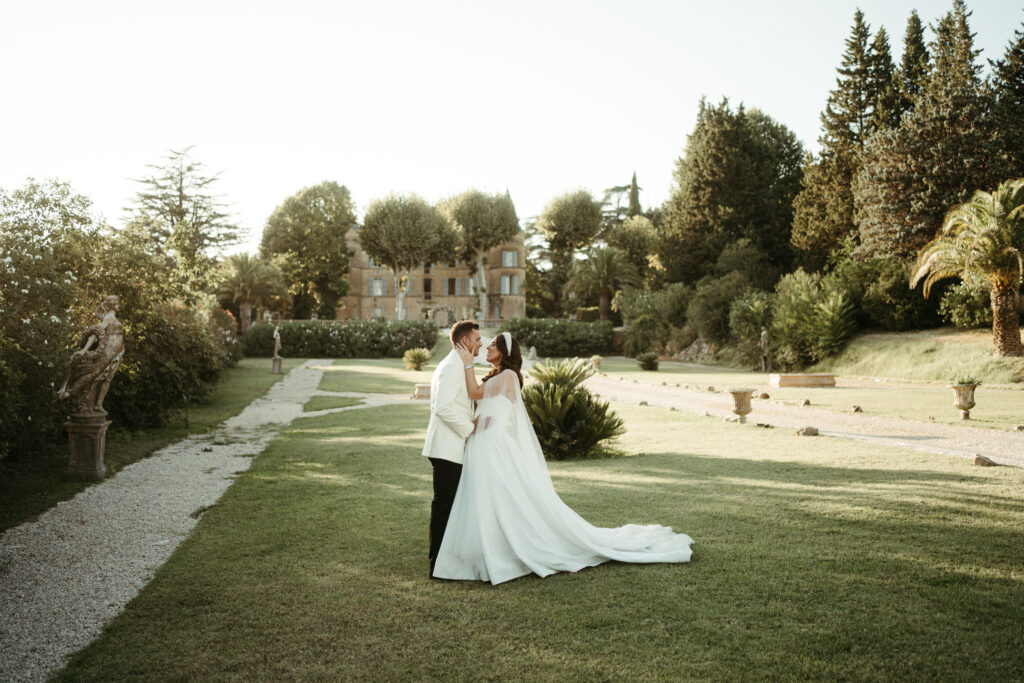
464	354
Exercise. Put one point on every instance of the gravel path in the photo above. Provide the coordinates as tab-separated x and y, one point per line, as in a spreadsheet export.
1006	448
67	573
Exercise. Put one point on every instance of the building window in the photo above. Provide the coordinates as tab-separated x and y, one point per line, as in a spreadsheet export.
426	268
451	286
515	284
506	284
470	287
372	263
509	259
428	288
378	286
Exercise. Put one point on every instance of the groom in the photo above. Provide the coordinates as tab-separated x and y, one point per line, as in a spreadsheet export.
451	423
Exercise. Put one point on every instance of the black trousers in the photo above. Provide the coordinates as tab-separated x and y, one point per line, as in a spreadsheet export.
446	483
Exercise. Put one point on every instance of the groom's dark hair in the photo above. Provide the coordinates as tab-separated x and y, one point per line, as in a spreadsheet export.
461	330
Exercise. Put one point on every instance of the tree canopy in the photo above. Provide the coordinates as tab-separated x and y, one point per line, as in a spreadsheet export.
306	237
404	232
187	222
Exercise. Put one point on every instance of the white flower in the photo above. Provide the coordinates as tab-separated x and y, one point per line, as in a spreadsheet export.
24	291
54	319
27	321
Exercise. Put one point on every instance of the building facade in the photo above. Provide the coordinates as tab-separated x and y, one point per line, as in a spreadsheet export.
442	292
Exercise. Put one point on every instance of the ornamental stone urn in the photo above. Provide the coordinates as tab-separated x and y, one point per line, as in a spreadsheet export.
741	402
92	367
963	398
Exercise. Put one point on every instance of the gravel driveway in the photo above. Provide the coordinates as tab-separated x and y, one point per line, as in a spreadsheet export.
1006	448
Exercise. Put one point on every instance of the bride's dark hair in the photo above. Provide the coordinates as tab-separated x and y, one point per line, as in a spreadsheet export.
511	359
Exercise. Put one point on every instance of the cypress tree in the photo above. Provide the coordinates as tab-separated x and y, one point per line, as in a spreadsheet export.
634	199
1007	91
941	153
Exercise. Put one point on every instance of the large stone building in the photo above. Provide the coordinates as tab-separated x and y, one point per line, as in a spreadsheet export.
443	292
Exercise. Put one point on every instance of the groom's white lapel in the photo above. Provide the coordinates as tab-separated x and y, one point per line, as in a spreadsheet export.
451	411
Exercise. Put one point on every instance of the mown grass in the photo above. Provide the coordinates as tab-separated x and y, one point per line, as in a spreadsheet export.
30	488
328	402
815	558
1000	407
929	355
377	376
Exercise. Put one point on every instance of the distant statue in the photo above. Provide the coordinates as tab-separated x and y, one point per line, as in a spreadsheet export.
533	353
100	350
277	341
266	317
764	349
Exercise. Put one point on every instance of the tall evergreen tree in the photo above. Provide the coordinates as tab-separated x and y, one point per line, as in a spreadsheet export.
736	179
913	72
942	151
885	83
823	212
634	199
1007	91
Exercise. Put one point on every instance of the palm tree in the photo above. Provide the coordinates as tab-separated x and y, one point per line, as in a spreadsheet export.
985	237
603	273
246	279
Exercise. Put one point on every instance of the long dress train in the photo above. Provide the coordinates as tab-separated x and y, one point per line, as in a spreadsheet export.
507	520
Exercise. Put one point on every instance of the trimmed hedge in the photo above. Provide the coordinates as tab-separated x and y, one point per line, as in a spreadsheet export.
561	338
341	339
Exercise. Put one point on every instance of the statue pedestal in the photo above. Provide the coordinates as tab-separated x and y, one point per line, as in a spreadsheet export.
87	441
277	365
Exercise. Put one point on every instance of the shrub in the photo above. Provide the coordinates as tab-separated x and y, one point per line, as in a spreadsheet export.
561	338
747	315
376	338
644	334
708	311
968	305
588	314
566	372
568	420
225	325
878	290
668	303
173	355
808	322
415	359
648	361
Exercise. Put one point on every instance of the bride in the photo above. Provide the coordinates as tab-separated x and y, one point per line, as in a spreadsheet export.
507	520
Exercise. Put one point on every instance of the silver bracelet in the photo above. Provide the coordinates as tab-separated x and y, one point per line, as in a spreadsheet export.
467	367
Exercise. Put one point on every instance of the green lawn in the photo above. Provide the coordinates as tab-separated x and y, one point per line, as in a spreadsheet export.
814	558
930	355
327	402
999	407
28	489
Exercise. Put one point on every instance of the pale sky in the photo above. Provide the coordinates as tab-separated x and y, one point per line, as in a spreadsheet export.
428	97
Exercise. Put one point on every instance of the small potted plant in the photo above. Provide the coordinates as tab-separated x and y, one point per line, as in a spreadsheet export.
963	385
596	362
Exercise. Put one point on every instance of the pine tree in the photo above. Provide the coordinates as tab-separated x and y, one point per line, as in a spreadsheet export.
823	211
736	179
1007	91
913	72
634	199
885	84
941	153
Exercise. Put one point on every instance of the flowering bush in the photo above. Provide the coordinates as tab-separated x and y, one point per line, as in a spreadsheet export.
37	289
56	265
342	339
561	338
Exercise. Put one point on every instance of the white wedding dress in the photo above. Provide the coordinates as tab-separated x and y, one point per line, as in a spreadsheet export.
507	520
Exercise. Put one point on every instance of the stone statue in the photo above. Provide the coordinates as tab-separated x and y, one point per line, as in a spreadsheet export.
100	350
277	342
764	349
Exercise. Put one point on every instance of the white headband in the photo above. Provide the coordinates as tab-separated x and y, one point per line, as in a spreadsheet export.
508	342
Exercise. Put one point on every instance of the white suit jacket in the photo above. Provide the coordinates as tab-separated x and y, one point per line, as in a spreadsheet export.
451	411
